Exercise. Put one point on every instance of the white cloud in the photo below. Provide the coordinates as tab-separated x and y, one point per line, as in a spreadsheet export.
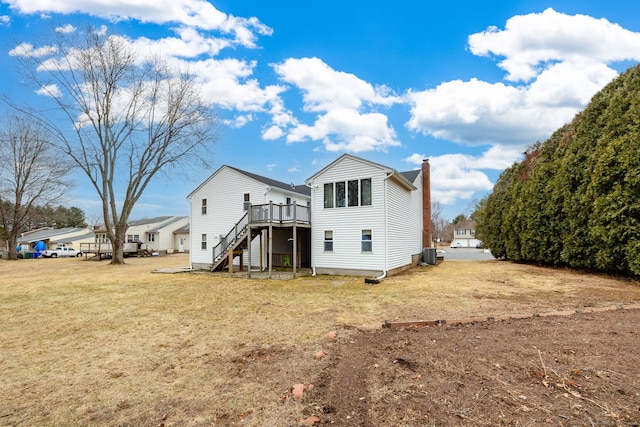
555	63
529	43
324	88
239	121
189	43
457	177
5	21
271	133
51	90
346	105
26	49
227	83
346	129
66	29
192	13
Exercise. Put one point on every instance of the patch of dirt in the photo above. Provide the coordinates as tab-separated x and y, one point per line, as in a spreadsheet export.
582	369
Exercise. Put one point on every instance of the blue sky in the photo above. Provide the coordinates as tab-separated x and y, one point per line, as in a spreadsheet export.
467	84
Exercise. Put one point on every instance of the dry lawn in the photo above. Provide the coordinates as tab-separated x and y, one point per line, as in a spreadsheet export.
86	343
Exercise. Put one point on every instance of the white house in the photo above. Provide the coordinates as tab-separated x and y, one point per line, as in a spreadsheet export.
464	232
367	218
152	234
158	233
352	217
52	237
232	201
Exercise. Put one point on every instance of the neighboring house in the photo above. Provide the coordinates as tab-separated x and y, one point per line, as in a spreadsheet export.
54	237
464	232
367	218
352	217
154	234
181	239
157	233
231	201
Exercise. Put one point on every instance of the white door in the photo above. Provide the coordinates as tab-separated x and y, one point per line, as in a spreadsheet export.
181	245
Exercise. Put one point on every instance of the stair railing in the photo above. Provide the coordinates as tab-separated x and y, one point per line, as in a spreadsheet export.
240	227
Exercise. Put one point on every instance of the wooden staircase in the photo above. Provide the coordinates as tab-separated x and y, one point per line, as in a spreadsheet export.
232	244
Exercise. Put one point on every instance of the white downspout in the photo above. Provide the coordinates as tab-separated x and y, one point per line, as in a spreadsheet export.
384	270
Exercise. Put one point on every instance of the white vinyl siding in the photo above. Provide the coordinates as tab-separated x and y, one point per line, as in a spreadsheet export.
163	238
404	234
347	223
226	193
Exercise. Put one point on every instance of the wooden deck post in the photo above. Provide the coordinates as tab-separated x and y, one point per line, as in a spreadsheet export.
230	259
270	250
261	251
294	246
248	247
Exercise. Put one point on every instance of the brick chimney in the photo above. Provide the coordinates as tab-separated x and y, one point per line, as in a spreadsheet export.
426	204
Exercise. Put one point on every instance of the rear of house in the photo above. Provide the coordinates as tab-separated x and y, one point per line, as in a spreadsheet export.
366	218
221	201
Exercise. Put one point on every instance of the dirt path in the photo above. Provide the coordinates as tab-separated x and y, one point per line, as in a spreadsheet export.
582	369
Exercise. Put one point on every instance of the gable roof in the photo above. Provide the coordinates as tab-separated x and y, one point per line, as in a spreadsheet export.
411	175
51	233
391	173
143	221
467	224
167	223
299	189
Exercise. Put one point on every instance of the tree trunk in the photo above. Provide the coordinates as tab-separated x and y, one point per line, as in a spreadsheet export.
13	242
117	257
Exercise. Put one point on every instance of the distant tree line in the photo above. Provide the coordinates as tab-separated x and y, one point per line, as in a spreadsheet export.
57	217
47	216
575	199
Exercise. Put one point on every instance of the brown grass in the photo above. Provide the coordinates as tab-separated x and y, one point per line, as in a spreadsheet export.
87	343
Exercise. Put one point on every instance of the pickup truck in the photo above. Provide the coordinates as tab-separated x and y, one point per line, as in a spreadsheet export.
61	252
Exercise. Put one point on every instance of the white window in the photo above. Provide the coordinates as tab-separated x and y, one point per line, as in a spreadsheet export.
247	201
365	192
341	194
328	240
328	195
151	237
204	207
367	243
132	238
347	193
203	243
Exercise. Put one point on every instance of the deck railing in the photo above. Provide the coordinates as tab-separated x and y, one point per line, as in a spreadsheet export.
270	213
280	214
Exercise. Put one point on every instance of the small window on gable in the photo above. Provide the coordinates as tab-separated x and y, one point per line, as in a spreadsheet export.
367	243
328	240
204	207
328	195
365	192
247	201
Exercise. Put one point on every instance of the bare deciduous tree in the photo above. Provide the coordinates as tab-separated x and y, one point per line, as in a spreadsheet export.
32	174
131	117
438	222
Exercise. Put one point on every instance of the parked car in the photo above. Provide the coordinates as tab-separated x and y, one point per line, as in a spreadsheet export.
455	245
61	252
